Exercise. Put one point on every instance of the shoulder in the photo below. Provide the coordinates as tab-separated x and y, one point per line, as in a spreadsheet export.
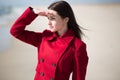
78	43
80	48
47	33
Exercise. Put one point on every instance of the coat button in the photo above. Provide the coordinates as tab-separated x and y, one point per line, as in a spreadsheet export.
51	78
53	64
42	74
42	60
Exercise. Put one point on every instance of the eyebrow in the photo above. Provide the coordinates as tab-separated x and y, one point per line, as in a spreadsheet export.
50	15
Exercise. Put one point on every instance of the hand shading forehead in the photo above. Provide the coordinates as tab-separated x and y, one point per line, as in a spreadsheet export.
51	13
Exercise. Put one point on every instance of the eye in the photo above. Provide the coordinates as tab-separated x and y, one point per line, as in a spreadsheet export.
51	18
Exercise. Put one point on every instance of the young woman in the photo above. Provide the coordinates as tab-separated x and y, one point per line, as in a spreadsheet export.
60	49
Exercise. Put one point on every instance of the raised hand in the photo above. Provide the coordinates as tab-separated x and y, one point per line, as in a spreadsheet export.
40	12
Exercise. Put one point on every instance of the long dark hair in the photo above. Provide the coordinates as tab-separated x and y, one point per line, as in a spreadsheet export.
65	10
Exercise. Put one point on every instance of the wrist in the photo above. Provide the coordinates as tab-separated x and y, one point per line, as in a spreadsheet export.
33	10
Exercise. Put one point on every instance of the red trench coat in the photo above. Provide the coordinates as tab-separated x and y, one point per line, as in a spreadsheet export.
57	56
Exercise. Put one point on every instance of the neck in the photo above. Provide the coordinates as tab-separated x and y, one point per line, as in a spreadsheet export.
64	30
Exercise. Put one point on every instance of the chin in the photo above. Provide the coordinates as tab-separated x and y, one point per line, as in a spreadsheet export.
52	30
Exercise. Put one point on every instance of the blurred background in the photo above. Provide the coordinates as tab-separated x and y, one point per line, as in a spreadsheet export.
101	18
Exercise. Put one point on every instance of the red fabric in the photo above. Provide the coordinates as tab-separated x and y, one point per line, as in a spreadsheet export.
57	56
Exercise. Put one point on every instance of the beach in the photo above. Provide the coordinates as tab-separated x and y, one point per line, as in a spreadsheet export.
102	23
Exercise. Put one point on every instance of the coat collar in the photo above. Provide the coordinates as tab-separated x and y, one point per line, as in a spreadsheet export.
64	39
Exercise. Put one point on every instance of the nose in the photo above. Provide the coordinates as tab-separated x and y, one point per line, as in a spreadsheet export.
49	22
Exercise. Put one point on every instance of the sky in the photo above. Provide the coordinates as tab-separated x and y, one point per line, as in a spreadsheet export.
47	2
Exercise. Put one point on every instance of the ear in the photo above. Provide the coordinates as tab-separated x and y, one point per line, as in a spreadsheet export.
66	19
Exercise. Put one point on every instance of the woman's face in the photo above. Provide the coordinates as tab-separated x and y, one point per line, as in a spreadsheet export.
55	21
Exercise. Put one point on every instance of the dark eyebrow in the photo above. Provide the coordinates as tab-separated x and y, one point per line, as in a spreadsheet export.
51	14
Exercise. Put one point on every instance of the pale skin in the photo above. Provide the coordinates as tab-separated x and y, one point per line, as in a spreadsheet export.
56	22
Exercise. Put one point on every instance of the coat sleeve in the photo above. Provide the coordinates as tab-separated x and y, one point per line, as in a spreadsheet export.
80	63
18	28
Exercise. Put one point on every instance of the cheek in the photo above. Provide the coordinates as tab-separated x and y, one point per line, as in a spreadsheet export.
54	23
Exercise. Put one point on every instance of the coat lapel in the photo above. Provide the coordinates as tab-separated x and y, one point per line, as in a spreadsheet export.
54	47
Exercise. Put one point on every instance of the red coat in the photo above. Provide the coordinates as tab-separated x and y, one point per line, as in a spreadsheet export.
57	56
